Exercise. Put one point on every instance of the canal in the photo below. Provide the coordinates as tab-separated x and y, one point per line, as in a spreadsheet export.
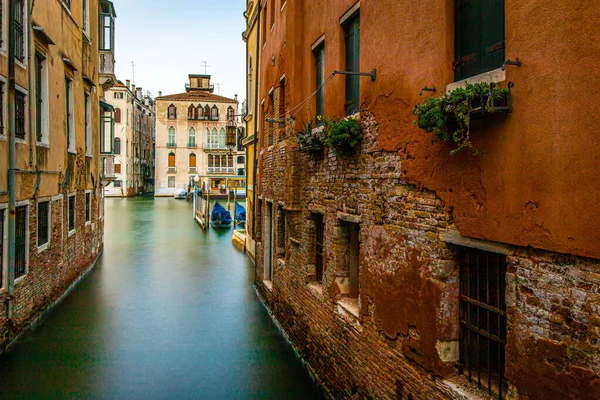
168	312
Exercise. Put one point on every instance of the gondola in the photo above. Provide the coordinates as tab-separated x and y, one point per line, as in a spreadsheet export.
240	214
220	217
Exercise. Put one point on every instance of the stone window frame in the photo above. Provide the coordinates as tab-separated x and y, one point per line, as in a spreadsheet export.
343	278
88	201
269	274
69	196
25	203
47	244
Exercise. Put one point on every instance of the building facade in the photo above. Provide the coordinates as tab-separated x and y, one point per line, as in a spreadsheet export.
51	206
190	137
401	271
251	37
133	142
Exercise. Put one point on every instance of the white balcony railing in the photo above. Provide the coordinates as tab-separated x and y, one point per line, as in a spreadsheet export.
221	170
107	62
171	170
192	170
214	146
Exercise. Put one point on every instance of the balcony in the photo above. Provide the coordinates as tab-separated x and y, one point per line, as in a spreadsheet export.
107	169
107	68
221	170
171	170
209	88
208	147
171	144
192	170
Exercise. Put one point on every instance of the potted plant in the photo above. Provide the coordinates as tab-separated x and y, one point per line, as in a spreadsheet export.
342	134
310	139
449	116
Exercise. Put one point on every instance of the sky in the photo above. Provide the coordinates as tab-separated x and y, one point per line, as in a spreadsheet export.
167	40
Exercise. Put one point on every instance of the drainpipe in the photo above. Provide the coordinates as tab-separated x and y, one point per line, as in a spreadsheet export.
30	12
12	181
256	120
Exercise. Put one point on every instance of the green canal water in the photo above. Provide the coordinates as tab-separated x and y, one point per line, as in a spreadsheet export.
168	312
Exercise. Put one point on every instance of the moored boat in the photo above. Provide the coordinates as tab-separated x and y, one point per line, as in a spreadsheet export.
220	217
240	214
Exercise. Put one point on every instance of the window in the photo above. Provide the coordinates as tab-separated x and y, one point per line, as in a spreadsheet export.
20	106
230	113
199	112
352	31
192	160
117	168
281	242
214	138
353	258
117	183
214	113
272	12
171	181
117	146
268	245
21	241
118	115
478	37
281	99
2	212
41	99
86	16
207	111
67	3
222	138
171	138
69	115
241	159
118	95
106	31
88	124
71	213
319	54
2	97
263	29
19	13
172	112
250	85
171	159
88	207
270	113
192	112
319	236
192	137
43	223
483	318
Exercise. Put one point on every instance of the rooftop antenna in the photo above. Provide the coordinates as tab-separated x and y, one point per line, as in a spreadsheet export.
218	88
205	66
133	72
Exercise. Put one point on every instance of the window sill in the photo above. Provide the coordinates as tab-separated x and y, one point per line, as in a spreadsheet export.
268	285
88	223
20	279
349	304
20	64
86	37
42	144
460	387
316	289
43	247
20	141
69	12
496	75
74	152
89	155
71	233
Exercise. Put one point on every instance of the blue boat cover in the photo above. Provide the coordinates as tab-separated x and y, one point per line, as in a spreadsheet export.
240	213
220	216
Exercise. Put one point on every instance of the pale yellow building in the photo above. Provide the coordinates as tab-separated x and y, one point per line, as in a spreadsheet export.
190	138
55	233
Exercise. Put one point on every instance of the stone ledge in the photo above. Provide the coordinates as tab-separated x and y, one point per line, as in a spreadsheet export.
316	290
268	285
459	388
453	236
355	219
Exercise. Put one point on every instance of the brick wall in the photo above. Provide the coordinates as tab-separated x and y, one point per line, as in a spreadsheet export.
52	270
400	338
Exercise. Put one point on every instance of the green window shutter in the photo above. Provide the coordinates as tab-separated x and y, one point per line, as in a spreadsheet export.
38	97
352	64
492	34
478	37
320	72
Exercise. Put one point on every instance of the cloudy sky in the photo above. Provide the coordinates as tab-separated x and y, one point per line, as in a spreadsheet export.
167	40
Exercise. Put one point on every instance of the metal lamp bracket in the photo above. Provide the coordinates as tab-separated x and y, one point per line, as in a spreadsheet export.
372	74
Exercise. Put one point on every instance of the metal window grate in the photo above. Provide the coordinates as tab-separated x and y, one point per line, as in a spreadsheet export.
2	106
319	234
43	223
71	213
88	206
19	13
483	319
1	248
21	241
19	115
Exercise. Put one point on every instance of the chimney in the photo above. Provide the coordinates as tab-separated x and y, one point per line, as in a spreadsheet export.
127	83
235	97
133	88
138	92
160	93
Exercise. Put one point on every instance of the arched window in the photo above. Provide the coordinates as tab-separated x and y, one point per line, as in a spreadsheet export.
171	160
230	113
118	115
199	112
214	113
172	113
214	138
192	137
171	138
117	146
222	137
191	112
207	111
192	160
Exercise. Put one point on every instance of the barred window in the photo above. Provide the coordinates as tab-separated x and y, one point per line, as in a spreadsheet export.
71	213
319	236
21	242
20	106
1	248
88	207
43	223
2	95
19	13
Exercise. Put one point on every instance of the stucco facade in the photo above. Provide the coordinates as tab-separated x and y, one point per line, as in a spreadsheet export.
59	218
190	137
135	124
366	257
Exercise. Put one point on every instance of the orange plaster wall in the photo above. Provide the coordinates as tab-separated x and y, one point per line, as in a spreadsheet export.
538	182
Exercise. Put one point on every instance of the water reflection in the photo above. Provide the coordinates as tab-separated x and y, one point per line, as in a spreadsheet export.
169	312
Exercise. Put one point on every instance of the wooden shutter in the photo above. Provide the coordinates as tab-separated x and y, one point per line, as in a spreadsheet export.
171	159
352	64
192	160
478	37
118	115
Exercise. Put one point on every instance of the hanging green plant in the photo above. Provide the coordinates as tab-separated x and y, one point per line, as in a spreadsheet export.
342	134
310	139
449	116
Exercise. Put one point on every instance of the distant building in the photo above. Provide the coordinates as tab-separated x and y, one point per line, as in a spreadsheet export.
133	142
190	137
52	195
